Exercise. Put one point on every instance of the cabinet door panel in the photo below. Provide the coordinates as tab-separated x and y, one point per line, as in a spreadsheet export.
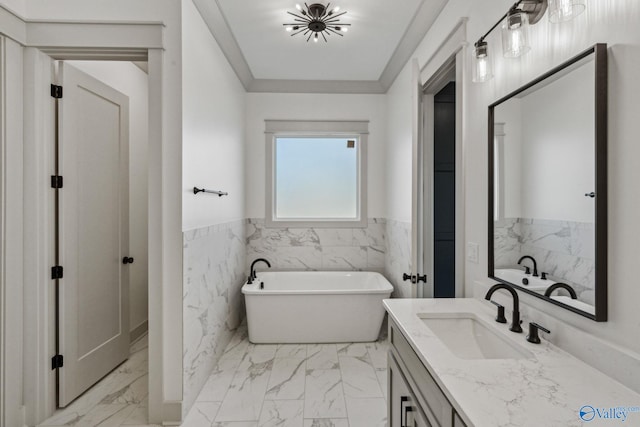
404	409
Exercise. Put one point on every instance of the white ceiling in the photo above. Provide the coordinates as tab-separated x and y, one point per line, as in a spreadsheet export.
362	54
382	37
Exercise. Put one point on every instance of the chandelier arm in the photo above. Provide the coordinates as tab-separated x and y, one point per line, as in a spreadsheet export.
332	21
326	10
306	19
299	31
309	38
334	31
338	14
325	39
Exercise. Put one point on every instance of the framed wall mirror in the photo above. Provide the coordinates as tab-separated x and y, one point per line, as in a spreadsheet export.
548	186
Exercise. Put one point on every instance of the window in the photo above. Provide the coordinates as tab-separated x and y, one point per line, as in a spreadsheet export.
315	174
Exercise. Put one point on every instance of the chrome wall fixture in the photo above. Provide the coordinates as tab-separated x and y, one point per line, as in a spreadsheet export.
317	20
515	30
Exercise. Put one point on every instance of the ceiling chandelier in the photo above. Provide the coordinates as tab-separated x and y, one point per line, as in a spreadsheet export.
316	19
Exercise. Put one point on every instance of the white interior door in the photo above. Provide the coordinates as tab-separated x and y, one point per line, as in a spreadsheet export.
94	221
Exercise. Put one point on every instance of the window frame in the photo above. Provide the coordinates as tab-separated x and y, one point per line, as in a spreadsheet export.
315	129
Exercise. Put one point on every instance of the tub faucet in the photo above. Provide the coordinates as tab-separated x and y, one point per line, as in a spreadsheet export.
561	285
515	321
535	264
252	273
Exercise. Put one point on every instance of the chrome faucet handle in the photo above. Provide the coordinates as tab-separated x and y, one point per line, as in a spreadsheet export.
500	316
533	332
527	270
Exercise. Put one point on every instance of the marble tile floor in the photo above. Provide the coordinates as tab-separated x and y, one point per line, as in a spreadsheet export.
119	399
254	385
290	385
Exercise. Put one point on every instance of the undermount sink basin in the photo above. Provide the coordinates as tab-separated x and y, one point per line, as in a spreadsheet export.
467	337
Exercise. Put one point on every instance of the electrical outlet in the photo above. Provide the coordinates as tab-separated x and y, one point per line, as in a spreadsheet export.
473	252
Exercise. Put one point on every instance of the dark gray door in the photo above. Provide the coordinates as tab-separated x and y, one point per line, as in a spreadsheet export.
444	192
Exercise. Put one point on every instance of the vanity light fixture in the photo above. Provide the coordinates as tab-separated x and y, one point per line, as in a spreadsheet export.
482	64
316	20
515	34
515	30
565	10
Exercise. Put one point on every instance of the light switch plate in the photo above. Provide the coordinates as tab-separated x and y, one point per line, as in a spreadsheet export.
473	250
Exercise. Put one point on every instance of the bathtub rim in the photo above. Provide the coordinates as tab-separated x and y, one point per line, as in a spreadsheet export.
385	288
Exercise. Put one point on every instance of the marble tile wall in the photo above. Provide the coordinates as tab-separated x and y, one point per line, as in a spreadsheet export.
214	271
217	259
564	249
398	259
318	248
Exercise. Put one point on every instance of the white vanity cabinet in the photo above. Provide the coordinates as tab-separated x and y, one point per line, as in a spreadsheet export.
415	400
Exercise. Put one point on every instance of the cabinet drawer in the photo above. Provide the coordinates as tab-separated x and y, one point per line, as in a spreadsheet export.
425	385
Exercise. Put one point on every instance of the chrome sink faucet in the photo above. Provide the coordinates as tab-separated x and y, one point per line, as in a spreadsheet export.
515	320
535	264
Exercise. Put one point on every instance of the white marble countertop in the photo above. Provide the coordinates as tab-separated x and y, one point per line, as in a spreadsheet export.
547	389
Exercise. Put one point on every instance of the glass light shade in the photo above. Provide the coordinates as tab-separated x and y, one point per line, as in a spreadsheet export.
482	64
515	34
565	10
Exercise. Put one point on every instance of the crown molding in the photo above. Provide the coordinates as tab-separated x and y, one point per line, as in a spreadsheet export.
221	31
415	32
316	86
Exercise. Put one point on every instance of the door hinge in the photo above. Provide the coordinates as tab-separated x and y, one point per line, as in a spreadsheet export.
56	181
56	91
57	361
56	272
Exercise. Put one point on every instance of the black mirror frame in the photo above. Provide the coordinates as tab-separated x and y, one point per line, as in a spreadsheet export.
601	133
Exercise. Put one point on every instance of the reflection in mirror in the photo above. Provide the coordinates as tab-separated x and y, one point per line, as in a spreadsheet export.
544	174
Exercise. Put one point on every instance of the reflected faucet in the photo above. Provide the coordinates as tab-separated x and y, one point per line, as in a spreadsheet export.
515	320
561	285
535	264
252	273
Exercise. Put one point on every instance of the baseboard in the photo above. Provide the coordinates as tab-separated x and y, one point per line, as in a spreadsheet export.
172	413
138	331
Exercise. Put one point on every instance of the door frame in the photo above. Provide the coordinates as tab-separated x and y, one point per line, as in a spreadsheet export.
155	43
449	57
11	231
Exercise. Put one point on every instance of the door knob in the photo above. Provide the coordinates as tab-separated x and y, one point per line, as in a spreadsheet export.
127	260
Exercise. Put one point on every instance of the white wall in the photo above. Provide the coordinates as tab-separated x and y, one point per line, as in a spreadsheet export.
16	6
511	172
213	147
213	128
549	152
133	82
261	106
612	22
398	150
558	149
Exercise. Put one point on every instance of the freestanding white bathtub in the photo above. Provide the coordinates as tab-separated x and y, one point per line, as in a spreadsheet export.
315	307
